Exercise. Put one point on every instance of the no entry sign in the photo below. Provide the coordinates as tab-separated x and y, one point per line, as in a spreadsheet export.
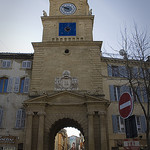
125	105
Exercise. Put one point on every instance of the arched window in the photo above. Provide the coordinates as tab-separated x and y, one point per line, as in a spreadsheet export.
3	84
20	118
1	116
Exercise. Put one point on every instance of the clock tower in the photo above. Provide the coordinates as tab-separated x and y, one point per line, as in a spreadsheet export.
66	88
68	21
67	44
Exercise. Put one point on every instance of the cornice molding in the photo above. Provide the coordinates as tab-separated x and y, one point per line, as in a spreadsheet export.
67	43
123	61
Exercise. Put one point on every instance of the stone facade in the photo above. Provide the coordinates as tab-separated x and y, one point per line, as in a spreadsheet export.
70	86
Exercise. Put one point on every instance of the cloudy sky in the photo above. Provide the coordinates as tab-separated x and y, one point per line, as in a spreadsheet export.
20	22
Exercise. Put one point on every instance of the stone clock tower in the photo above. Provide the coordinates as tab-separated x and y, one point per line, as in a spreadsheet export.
66	87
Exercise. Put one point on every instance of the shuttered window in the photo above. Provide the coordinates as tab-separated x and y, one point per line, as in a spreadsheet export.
10	85
117	71
20	118
1	116
26	64
119	124
17	84
141	124
116	91
6	63
24	85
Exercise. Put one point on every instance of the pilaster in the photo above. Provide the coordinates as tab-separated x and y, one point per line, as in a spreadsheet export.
41	131
28	141
91	143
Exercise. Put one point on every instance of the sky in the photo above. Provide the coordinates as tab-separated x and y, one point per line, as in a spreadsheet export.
20	22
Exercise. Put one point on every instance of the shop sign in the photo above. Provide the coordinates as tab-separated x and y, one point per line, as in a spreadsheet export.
131	144
8	139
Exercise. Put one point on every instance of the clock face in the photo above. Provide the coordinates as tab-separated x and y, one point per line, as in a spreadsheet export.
67	8
67	29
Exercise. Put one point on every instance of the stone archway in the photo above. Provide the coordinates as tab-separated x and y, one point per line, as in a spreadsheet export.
47	114
60	124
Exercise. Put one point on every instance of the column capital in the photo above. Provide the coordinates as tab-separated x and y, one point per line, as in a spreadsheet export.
41	113
91	113
29	113
102	113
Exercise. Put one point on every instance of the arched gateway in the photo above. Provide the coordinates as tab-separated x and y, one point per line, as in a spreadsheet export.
48	114
67	83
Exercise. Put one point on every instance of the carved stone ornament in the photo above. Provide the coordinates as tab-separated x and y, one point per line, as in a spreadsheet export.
44	13
66	82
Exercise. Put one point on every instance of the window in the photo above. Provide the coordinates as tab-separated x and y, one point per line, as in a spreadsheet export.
6	63
3	85
20	118
22	85
26	64
118	124
115	71
1	116
116	91
141	124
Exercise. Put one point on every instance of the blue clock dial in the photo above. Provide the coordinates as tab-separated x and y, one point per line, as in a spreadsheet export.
67	29
67	8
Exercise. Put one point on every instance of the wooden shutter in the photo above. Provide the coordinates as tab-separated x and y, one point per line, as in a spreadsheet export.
123	72
23	115
124	89
143	124
1	116
141	73
111	92
8	63
18	118
29	64
26	85
109	69
5	85
144	93
134	72
24	64
4	64
139	93
114	123
10	85
17	84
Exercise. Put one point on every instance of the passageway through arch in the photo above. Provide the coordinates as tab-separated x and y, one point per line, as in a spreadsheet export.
60	124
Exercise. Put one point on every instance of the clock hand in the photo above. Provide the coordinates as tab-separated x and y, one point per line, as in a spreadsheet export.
66	8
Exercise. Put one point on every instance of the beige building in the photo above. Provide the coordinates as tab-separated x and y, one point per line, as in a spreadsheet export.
72	85
61	140
15	75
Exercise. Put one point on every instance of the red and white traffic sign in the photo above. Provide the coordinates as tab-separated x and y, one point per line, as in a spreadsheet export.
125	105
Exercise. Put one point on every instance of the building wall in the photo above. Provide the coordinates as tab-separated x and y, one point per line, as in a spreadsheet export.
83	62
116	139
12	100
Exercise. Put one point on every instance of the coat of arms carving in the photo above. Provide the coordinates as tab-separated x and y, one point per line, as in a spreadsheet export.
66	82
